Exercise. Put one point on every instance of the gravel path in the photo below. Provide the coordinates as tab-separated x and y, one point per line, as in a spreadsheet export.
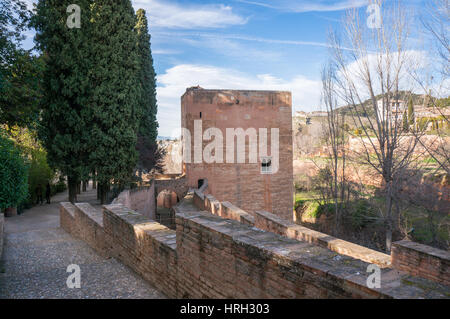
37	252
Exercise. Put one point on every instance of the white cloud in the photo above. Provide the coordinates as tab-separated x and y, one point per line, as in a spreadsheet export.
172	15
414	66
219	36
308	5
29	3
230	48
173	83
164	51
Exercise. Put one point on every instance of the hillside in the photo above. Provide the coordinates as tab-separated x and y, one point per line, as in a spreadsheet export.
368	110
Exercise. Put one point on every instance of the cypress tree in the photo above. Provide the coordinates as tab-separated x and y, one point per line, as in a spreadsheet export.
148	125
114	103
405	122
410	112
65	87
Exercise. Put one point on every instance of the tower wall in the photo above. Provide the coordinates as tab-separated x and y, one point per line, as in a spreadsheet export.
242	184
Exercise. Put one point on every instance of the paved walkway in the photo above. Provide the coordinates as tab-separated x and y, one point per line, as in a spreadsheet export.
37	252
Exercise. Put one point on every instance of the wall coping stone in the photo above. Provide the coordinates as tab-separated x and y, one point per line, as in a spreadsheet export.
428	250
293	230
94	214
159	232
69	207
315	259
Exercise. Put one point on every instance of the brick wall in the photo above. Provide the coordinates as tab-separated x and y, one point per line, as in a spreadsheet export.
199	199
270	222
220	258
89	223
147	247
421	260
242	184
144	245
2	222
141	199
212	257
223	209
67	219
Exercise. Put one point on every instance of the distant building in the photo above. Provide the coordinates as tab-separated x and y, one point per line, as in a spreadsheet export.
430	112
301	114
308	116
318	114
396	108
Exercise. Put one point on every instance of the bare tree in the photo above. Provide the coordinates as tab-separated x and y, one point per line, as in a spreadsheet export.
435	83
335	140
372	62
437	23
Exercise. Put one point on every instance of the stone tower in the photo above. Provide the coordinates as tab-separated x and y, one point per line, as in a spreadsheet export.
252	120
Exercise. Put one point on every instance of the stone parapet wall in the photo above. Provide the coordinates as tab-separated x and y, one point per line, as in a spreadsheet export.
225	259
141	199
212	257
89	227
228	210
199	199
414	258
144	245
423	261
222	209
220	258
272	223
67	219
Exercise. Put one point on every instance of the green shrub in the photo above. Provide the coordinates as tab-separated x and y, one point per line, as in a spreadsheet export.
13	174
361	214
313	209
58	187
40	174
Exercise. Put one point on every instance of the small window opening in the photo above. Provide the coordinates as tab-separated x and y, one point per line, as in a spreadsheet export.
200	114
200	183
266	165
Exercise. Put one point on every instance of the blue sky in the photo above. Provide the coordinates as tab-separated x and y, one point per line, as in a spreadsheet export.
240	44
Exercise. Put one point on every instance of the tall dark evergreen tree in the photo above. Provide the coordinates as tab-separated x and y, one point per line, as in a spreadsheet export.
114	106
148	155
411	119
65	87
405	122
19	70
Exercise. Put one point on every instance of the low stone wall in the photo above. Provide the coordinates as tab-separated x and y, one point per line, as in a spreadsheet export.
89	223
421	260
199	199
223	209
2	223
141	199
416	259
212	257
144	245
86	223
147	247
225	259
67	219
270	222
